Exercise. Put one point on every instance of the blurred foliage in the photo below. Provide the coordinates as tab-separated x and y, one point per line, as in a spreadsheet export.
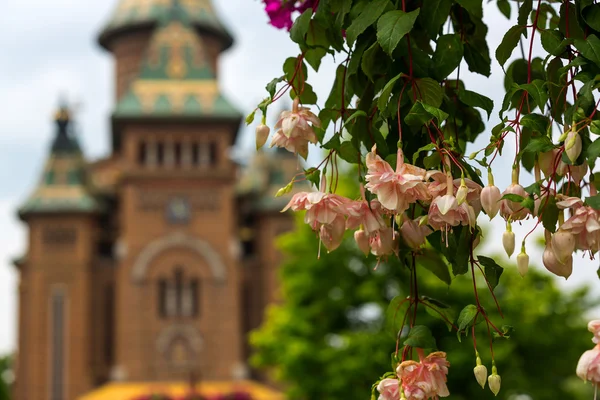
328	338
6	376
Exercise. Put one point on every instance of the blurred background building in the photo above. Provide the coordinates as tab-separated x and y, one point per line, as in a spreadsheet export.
153	263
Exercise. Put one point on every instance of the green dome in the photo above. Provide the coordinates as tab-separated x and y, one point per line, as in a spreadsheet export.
131	14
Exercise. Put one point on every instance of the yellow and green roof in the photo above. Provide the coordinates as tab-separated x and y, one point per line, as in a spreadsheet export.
177	77
63	185
131	14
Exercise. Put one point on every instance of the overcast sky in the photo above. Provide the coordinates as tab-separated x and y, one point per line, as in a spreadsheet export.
49	49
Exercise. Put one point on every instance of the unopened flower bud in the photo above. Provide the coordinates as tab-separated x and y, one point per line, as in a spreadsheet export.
494	381
480	372
490	200
553	265
413	234
523	262
563	245
578	172
573	145
362	241
461	193
284	190
262	134
508	241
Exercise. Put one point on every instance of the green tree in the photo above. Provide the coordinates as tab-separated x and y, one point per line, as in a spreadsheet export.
5	377
329	338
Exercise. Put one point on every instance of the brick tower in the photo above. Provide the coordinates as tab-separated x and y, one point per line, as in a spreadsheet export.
150	265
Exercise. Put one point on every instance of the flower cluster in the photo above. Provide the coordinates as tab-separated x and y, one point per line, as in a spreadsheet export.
421	380
449	202
280	11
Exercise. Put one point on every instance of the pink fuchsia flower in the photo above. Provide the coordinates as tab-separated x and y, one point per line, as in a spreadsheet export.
550	163
362	241
413	233
395	190
424	379
473	193
383	242
588	367
295	129
513	210
585	226
365	214
324	213
444	213
389	389
439	184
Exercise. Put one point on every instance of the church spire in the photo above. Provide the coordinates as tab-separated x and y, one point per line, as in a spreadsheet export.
63	185
131	15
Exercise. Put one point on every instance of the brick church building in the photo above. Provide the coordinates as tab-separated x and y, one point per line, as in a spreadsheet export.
152	264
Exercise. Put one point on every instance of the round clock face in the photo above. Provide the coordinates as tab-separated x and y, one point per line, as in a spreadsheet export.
178	211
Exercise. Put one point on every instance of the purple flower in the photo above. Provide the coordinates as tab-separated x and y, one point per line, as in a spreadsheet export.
280	11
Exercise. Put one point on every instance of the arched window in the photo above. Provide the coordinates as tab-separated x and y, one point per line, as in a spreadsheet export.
178	296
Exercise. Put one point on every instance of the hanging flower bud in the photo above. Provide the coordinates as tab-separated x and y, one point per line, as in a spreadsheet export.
494	381
480	372
573	145
578	172
262	134
490	200
461	193
413	233
362	241
563	245
508	241
523	261
551	262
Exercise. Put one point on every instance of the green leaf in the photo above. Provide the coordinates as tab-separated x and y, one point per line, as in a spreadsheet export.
537	91
348	153
395	314
524	12
300	27
513	197
392	26
593	202
466	317
593	150
427	147
371	61
434	14
591	16
272	86
474	99
367	17
432	261
429	92
448	55
356	114
387	91
421	114
549	212
508	44
575	29
474	7
589	48
420	337
539	145
553	42
504	7
478	59
493	271
439	310
313	175
536	122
